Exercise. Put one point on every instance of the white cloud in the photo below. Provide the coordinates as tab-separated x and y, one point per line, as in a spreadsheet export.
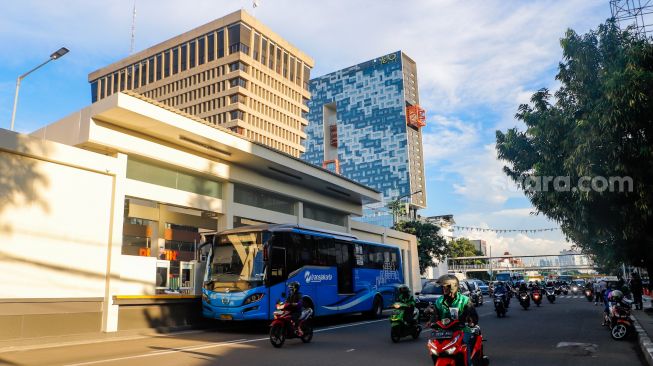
446	137
481	176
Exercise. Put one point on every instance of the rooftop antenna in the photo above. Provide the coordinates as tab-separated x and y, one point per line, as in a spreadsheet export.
131	48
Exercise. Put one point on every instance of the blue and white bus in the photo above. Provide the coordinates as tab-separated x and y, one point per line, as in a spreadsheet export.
248	270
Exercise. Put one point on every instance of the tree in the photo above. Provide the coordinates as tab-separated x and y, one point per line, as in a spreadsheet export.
431	245
462	247
598	126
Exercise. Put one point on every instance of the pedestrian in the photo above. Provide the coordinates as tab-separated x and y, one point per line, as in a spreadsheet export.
637	289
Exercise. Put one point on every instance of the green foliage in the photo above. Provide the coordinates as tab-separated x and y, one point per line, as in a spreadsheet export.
599	123
430	244
462	247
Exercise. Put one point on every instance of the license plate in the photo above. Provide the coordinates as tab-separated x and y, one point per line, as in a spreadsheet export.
442	334
226	317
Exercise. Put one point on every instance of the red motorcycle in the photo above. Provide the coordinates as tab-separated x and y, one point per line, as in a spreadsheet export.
446	345
537	297
283	327
621	325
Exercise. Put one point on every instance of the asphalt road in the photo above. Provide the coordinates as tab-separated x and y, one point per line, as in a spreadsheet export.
534	337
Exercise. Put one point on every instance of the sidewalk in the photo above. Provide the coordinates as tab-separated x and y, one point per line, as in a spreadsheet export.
88	338
644	325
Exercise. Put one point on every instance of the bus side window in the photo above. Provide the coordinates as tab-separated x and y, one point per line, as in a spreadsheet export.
326	251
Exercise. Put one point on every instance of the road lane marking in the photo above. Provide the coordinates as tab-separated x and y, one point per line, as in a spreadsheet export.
215	345
351	350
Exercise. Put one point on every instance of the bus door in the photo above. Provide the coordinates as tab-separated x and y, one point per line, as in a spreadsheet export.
345	267
277	275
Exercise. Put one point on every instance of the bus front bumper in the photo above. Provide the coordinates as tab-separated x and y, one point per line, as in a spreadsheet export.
247	312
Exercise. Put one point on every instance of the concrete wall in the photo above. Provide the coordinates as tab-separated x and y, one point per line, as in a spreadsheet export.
57	233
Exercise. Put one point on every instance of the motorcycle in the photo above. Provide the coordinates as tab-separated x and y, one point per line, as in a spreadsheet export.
446	345
589	295
550	295
524	300
620	322
537	297
558	290
400	327
283	327
574	289
565	289
500	305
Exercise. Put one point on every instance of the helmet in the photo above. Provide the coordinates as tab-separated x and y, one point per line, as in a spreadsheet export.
404	290
293	286
616	295
449	281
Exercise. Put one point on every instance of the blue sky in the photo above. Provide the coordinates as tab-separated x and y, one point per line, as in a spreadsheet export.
477	61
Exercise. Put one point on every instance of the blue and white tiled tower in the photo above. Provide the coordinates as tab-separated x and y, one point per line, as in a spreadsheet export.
365	123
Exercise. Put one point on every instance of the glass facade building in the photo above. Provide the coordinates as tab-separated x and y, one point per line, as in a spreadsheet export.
365	124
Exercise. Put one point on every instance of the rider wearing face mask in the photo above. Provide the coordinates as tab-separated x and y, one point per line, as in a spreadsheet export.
454	305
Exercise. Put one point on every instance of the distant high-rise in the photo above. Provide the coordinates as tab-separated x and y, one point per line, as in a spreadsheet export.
365	123
233	71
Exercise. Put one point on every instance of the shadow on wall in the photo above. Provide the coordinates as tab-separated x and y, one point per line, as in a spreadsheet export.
20	179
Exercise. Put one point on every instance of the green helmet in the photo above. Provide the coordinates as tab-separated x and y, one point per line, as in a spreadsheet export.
449	281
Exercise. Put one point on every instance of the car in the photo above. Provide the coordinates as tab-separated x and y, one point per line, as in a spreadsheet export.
474	292
431	291
485	289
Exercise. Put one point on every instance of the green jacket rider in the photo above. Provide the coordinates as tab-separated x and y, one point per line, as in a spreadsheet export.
452	299
405	297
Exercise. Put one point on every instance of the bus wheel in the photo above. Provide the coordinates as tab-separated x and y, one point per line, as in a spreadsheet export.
377	308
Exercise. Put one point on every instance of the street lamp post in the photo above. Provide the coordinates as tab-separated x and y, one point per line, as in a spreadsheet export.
54	56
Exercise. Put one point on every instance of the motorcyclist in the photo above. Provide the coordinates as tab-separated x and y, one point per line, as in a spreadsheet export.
501	289
405	297
295	300
465	311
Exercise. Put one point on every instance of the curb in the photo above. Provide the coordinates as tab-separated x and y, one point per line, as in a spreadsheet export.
644	342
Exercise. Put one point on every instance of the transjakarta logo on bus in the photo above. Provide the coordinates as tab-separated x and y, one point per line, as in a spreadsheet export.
316	278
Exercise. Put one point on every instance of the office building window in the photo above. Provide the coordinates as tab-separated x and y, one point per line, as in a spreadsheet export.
285	65
278	60
159	66
257	40
210	40
220	43
200	51
150	69
184	57
94	92
166	64
238	82
272	50
237	114
264	51
143	73
137	75
103	85
175	61
192	54
307	76
238	65
122	80
292	69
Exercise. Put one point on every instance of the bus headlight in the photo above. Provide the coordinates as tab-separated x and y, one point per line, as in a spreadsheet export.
253	298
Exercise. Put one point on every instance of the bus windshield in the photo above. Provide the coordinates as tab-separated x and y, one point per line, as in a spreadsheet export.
237	262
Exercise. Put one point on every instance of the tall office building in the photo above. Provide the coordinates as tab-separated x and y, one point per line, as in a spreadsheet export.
365	123
233	71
